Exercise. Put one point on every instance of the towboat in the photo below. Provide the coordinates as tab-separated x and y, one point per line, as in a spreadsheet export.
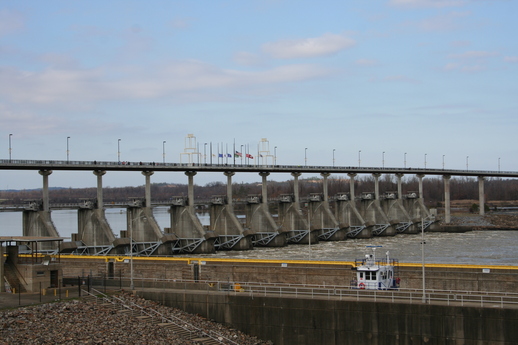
376	274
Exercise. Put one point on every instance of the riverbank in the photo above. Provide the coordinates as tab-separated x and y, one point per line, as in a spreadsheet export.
492	221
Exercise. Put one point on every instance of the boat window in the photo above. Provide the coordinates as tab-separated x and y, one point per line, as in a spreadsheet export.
361	275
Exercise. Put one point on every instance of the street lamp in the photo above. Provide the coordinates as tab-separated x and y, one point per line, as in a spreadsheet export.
275	155
443	162
68	151
306	156
425	160
498	164
383	160
119	150
10	149
422	258
163	150
205	154
359	158
467	163
405	160
333	157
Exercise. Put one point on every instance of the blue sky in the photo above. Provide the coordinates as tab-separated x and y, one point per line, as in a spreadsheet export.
406	77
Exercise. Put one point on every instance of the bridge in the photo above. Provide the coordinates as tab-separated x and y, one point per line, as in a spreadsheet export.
353	216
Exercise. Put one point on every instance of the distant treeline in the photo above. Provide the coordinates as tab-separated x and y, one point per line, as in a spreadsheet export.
462	188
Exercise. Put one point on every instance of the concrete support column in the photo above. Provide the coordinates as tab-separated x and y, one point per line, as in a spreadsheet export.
376	185
148	174
447	214
229	175
481	198
100	201
420	177
296	186
351	184
325	175
190	189
45	174
264	186
399	186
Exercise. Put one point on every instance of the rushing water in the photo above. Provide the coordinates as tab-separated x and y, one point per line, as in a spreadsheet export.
473	247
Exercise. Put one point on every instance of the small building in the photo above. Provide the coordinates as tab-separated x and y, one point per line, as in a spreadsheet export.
26	268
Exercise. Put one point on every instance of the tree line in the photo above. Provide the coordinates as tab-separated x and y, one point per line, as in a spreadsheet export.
461	188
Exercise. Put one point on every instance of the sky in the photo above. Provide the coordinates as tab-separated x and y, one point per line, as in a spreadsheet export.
378	82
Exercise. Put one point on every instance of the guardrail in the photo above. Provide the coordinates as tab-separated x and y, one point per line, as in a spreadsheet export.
17	164
345	292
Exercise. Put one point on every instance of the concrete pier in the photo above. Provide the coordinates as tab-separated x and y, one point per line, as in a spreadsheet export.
225	224
347	214
371	212
291	218
481	196
447	205
186	227
258	219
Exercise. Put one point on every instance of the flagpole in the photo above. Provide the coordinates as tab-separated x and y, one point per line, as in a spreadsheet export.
211	153
234	152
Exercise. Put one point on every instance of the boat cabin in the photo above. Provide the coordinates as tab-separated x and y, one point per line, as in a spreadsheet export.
376	274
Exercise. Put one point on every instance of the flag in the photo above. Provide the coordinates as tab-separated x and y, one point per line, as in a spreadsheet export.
249	156
239	154
229	155
220	155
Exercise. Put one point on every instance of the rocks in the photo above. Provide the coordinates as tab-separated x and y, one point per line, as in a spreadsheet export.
85	322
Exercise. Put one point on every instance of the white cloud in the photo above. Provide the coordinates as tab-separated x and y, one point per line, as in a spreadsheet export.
511	59
400	78
248	59
83	87
428	3
324	45
443	22
474	54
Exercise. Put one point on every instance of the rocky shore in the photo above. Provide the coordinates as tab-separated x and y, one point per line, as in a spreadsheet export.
87	322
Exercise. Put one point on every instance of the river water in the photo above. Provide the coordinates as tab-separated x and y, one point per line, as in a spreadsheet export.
472	247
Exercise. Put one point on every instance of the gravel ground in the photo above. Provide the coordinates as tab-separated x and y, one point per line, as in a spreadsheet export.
86	322
489	221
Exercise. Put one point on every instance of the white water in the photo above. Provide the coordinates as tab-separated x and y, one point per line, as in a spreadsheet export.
474	247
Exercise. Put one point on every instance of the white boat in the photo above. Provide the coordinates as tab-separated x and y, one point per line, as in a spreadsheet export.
376	274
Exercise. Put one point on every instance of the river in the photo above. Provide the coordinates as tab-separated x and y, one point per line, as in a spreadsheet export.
472	247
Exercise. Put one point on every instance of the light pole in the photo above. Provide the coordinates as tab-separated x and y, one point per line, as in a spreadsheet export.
498	164
383	160
205	154
275	155
333	157
306	157
425	160
359	158
10	149
443	162
467	163
68	151
405	160
119	150
163	150
422	258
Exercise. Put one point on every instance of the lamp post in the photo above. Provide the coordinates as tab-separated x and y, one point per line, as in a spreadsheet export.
163	151
68	151
306	157
467	163
443	162
10	149
422	258
383	160
205	154
405	161
359	158
119	150
333	157
498	164
275	155
425	160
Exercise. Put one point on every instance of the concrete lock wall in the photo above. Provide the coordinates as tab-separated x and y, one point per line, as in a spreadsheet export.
302	321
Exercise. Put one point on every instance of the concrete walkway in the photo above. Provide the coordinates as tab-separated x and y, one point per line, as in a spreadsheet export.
15	300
